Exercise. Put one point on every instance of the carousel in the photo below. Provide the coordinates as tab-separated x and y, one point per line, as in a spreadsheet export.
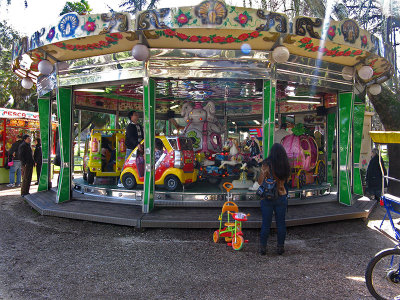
216	85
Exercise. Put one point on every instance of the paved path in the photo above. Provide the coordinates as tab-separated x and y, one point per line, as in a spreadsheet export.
52	258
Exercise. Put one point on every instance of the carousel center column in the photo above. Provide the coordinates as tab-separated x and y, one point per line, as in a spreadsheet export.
345	117
269	92
149	95
64	111
44	106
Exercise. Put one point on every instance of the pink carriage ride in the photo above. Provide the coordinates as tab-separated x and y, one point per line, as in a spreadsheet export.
304	160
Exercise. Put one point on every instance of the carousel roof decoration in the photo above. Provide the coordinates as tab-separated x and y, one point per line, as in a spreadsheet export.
212	24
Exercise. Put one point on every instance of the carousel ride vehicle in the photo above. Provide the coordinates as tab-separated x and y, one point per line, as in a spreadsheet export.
306	167
104	154
174	168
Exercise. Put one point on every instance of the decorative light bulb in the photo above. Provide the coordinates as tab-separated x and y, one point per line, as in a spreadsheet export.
27	83
281	54
45	67
140	52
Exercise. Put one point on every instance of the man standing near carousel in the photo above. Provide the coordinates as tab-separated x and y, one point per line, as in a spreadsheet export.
27	162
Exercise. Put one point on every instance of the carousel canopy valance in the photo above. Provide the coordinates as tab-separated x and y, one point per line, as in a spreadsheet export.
209	25
385	137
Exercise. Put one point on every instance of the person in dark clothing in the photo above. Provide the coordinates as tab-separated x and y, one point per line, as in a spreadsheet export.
27	162
134	133
276	166
37	157
374	175
16	167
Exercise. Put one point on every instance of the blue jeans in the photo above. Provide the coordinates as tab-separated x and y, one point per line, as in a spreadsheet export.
16	168
267	208
128	152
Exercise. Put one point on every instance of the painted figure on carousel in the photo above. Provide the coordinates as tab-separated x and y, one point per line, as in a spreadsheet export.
202	126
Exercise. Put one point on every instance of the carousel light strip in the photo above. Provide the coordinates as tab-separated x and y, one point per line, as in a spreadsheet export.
303	102
213	39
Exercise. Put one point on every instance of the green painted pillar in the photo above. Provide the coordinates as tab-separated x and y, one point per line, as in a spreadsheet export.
345	117
44	106
149	96
358	126
268	115
331	120
112	121
64	111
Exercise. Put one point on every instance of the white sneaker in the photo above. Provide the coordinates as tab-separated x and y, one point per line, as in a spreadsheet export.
11	185
120	185
18	185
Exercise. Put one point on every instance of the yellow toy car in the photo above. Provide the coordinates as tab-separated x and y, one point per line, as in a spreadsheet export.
104	154
173	168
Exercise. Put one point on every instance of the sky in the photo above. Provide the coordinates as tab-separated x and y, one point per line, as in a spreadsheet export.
42	13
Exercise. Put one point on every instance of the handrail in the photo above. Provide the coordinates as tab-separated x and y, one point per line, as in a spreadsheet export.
391	178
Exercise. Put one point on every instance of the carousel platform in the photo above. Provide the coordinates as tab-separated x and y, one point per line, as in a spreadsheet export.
188	217
202	194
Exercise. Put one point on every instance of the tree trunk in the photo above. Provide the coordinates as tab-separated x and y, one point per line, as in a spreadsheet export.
387	106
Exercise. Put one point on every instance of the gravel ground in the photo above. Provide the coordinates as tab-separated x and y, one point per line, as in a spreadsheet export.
53	258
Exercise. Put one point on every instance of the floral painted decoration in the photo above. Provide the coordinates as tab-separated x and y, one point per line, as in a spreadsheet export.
110	39
243	18
331	32
183	18
364	41
307	43
51	34
89	26
171	33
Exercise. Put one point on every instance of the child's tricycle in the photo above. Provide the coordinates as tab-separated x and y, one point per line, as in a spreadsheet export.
232	232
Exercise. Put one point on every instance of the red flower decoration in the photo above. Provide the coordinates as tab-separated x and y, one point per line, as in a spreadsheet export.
90	26
305	40
347	53
205	39
255	34
357	52
182	36
309	46
331	32
218	39
116	35
230	39
364	40
70	47
243	19
243	36
194	38
169	32
182	19
315	49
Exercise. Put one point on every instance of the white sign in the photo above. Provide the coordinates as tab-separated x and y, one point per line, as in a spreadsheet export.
18	114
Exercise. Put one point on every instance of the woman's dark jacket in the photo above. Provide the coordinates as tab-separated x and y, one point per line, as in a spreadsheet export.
37	155
374	174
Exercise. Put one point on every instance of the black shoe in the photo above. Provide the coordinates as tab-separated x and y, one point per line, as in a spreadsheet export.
263	250
280	250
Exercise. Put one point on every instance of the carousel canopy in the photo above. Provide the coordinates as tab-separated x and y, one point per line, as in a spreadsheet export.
385	137
209	25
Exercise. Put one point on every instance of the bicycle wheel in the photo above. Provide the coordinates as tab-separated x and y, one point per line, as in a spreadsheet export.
382	275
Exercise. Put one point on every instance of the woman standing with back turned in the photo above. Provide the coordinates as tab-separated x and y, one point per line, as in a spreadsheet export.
277	166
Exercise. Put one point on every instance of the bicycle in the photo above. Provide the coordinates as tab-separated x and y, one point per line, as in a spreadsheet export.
382	275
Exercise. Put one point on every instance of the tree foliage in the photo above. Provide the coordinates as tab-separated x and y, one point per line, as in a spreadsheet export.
81	7
134	6
12	94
